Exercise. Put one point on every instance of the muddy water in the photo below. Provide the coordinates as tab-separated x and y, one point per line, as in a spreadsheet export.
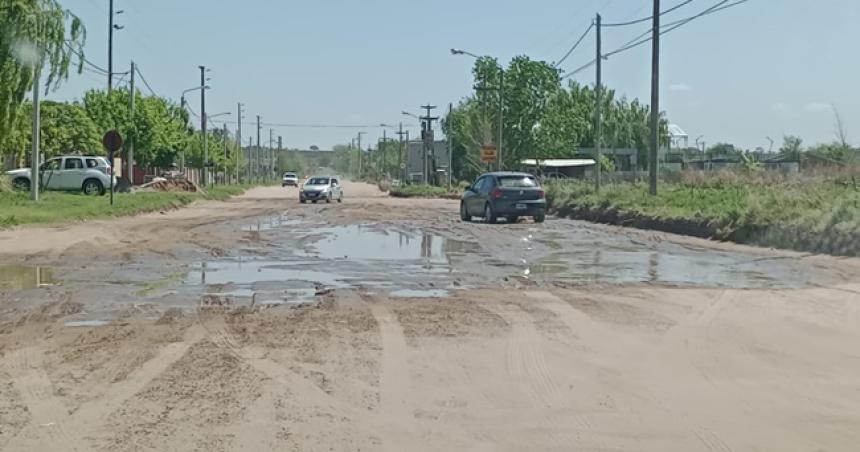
616	259
21	277
304	260
299	258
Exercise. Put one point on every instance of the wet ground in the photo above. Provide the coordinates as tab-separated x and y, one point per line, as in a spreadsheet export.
292	258
388	324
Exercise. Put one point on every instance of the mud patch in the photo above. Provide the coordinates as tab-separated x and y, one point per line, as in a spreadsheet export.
23	277
200	394
14	415
447	318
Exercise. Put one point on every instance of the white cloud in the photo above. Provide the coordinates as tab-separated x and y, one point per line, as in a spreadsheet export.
781	107
817	107
680	87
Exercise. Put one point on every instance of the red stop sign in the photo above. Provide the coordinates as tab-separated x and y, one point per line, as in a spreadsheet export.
112	141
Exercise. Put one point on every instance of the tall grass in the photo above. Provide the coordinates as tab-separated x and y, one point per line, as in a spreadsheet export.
818	202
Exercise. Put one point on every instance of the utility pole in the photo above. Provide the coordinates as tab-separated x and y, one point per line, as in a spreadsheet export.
129	166
270	165
501	113
655	98
37	119
250	159
383	149
225	153
110	49
259	170
203	122
280	146
428	139
359	154
598	120
406	158
400	170
450	146
240	117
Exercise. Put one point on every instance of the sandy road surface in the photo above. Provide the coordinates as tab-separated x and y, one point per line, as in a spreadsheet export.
384	324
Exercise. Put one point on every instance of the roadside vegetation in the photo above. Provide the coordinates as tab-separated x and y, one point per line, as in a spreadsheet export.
55	207
422	191
814	212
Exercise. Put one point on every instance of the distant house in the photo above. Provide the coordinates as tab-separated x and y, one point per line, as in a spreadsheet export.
563	168
678	139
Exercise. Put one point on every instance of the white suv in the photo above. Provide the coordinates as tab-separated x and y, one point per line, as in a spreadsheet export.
89	174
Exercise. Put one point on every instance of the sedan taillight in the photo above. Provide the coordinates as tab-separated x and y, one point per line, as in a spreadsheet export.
496	194
541	194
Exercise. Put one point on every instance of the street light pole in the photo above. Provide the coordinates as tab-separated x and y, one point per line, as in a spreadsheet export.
110	48
203	122
34	158
501	112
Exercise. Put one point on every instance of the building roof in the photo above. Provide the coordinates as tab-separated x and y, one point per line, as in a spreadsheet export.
675	131
559	163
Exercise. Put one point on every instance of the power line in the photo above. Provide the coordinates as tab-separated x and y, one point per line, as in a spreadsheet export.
143	79
720	6
645	19
321	126
578	42
86	61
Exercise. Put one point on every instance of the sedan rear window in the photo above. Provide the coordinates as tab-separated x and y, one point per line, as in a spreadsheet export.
517	181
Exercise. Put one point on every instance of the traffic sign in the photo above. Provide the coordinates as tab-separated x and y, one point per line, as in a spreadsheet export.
488	153
112	141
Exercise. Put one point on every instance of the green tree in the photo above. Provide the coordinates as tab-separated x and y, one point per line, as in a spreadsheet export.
34	33
792	147
542	119
159	128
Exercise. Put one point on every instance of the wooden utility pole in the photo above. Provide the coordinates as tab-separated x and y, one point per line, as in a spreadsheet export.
598	120
655	98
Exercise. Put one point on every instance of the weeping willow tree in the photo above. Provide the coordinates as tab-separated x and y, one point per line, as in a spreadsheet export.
34	34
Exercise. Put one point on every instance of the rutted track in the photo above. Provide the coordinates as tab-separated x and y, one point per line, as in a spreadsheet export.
551	337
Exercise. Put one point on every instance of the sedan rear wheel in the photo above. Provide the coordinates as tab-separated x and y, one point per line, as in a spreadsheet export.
489	216
464	212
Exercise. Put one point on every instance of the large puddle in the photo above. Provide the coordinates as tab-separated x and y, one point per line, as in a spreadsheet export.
618	260
21	277
314	259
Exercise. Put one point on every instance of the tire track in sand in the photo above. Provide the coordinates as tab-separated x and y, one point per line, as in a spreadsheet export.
48	428
52	427
399	428
526	363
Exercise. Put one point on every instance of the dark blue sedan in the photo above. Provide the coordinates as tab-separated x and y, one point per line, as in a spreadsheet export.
504	195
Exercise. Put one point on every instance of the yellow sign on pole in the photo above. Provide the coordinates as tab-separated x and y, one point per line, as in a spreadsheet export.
488	154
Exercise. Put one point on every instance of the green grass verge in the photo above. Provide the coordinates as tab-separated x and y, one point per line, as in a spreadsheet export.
17	209
817	206
801	213
421	191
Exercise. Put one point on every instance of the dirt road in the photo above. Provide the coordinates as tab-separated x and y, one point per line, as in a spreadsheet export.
387	324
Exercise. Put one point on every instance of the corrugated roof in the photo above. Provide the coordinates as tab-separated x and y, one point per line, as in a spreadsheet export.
676	131
559	163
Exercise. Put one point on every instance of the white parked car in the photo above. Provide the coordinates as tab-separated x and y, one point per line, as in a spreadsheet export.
290	179
89	174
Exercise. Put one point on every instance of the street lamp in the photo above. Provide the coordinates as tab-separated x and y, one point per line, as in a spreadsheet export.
501	90
196	88
224	137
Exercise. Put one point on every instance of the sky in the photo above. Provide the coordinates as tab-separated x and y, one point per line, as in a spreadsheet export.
765	68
